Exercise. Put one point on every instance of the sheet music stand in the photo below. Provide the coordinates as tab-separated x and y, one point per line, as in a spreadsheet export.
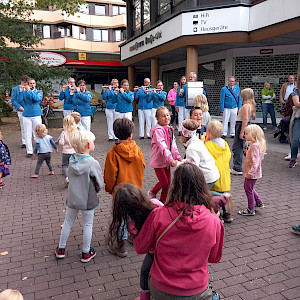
193	88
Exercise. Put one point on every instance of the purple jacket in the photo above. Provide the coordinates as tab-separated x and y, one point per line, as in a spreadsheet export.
161	156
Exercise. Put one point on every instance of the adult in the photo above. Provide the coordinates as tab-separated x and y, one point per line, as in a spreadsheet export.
180	102
230	102
67	91
32	113
81	101
295	125
186	233
108	93
144	108
171	98
187	108
17	100
268	99
286	89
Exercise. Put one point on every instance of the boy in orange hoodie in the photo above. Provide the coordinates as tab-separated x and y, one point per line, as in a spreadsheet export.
124	164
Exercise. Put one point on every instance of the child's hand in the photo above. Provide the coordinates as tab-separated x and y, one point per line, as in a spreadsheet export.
174	163
56	150
34	154
215	213
57	143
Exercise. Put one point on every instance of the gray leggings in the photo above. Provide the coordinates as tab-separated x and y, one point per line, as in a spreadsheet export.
87	224
65	163
41	158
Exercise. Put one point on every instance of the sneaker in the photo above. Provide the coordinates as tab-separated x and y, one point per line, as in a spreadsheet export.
121	252
288	157
265	128
23	146
247	212
151	195
86	257
2	184
232	136
227	217
141	137
28	155
110	140
260	205
296	229
148	137
60	252
234	172
223	137
292	163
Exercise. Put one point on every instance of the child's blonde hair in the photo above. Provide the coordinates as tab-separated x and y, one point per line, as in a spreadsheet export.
80	139
215	128
41	131
10	294
247	96
159	109
76	116
257	136
200	101
70	125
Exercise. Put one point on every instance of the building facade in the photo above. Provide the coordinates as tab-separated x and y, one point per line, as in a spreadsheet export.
256	41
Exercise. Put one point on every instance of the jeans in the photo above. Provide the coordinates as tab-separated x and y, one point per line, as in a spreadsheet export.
295	143
87	223
41	158
237	148
268	108
65	163
174	115
251	194
145	271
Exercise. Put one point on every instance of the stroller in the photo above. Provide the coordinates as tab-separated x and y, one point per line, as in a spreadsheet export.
282	131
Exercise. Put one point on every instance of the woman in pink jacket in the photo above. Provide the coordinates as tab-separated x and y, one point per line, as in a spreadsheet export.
164	153
171	98
186	235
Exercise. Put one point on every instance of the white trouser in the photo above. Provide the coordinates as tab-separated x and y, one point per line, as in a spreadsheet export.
110	118
180	117
153	117
20	115
86	123
67	112
144	115
127	115
186	113
29	126
229	113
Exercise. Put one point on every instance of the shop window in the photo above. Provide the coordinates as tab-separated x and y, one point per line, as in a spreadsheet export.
146	12
100	35
100	10
118	10
163	6
137	14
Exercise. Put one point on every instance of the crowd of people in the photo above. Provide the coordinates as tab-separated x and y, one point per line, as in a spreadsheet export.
197	199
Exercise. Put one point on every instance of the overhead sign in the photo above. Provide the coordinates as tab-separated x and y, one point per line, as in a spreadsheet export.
51	59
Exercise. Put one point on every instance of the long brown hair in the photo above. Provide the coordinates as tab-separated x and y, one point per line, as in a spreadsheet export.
189	186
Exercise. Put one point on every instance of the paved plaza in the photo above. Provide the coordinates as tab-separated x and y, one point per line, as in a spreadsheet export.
261	256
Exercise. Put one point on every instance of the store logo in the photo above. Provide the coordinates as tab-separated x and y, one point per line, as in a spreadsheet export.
148	40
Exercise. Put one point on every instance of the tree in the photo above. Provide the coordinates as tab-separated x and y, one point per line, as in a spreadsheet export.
18	28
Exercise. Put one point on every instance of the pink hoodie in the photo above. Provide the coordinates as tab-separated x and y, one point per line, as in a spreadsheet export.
161	156
172	96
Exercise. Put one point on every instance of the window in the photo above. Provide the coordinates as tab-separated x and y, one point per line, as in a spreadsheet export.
61	30
164	6
84	8
146	11
82	33
78	32
100	10
118	10
100	35
137	14
119	35
46	32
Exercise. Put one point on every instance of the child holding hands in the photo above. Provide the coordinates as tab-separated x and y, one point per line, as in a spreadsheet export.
4	161
43	146
252	168
164	153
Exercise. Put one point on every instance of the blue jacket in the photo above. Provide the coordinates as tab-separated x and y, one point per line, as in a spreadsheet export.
107	95
227	100
17	97
81	103
158	99
65	95
124	102
32	101
145	101
44	145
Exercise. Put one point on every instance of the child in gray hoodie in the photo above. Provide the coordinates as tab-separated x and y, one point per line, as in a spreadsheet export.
85	180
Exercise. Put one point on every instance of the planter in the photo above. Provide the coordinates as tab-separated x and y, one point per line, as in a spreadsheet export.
54	122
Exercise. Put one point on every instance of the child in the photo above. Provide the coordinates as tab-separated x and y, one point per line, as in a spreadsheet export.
123	98
197	115
43	146
10	294
252	167
108	93
124	164
77	119
180	102
246	113
200	101
197	153
85	176
4	161
69	129
164	153
132	207
220	151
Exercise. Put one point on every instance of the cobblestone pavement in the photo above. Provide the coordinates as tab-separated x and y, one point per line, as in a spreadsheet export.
261	257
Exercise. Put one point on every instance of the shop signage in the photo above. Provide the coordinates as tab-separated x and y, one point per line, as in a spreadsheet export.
148	40
266	51
51	59
82	56
261	79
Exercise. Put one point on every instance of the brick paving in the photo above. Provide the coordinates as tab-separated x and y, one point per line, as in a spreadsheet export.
261	257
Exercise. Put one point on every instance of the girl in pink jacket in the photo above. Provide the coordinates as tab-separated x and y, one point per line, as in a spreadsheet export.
252	168
164	153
